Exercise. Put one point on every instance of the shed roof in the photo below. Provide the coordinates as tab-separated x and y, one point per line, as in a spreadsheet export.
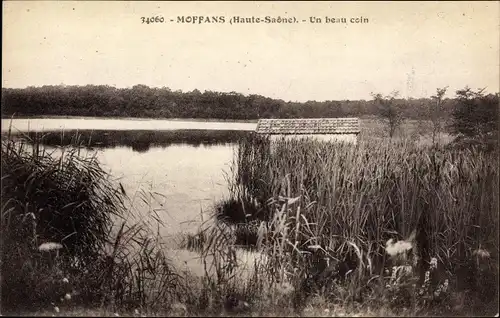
308	126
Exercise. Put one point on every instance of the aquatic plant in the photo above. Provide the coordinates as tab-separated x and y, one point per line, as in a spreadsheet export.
360	204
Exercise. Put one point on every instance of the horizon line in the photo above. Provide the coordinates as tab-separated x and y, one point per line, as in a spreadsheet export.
400	96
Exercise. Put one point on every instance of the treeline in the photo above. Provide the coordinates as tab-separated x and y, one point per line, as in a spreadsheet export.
144	101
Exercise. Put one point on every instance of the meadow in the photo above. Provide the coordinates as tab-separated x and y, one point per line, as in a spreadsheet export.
384	227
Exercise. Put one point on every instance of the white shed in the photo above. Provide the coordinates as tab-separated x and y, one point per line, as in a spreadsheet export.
325	129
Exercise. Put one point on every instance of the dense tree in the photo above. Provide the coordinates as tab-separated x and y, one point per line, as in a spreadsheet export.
475	117
143	101
436	114
390	110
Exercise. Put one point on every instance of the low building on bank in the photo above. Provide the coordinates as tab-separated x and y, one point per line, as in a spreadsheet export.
323	129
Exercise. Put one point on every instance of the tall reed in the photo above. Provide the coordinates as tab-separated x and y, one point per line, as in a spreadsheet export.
349	200
105	257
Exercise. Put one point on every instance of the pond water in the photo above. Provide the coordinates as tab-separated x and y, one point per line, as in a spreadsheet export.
177	182
48	124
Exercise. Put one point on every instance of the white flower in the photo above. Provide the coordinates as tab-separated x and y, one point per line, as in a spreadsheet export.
326	310
67	296
49	246
427	278
433	263
393	249
136	311
56	309
394	274
116	314
65	280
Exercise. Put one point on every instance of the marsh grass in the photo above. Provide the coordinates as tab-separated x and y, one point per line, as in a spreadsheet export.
332	208
65	200
116	262
61	246
318	217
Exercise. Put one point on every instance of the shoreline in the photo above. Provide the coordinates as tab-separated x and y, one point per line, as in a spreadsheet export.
251	121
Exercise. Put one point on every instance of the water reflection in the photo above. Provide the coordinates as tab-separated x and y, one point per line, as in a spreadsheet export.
179	183
138	140
177	175
92	123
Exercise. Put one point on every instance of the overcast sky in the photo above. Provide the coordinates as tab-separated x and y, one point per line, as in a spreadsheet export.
77	43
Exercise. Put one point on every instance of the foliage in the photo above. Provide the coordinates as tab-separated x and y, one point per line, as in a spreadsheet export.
390	111
436	114
475	117
143	101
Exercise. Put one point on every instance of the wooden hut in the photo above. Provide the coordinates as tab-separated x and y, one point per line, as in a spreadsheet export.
324	129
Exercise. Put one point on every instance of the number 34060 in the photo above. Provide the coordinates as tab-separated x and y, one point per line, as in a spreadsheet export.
148	20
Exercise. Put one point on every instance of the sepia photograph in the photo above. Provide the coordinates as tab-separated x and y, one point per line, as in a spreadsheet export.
250	158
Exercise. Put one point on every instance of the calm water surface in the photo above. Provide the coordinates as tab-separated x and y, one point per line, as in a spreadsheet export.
177	182
46	124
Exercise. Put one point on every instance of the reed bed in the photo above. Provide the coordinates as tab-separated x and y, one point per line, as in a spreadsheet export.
343	203
372	229
60	203
68	240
